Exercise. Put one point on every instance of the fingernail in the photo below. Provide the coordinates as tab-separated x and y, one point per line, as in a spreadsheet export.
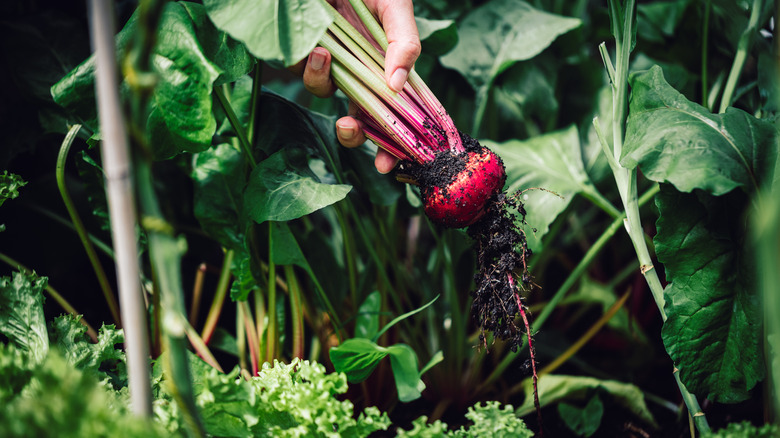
346	133
398	79
317	60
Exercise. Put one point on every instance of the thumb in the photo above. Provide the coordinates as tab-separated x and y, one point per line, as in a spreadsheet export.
403	48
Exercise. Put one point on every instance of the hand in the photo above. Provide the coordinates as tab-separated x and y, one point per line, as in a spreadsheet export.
397	19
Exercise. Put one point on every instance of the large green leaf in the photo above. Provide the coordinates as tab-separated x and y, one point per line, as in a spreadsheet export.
551	162
219	177
21	313
675	140
273	30
190	57
437	36
555	388
357	358
281	188
494	36
713	330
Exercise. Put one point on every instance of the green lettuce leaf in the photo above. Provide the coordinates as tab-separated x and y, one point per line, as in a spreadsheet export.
21	313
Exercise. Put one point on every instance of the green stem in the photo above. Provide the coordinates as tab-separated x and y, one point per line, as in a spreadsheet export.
254	104
296	310
743	46
271	330
236	124
219	297
81	230
481	101
54	294
625	180
705	40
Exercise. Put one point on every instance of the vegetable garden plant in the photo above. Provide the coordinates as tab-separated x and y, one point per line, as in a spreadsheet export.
581	239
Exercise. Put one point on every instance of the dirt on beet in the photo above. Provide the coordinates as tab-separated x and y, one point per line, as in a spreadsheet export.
502	249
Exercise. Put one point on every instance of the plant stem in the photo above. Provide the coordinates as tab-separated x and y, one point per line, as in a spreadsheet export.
121	204
81	230
271	330
197	293
625	179
219	297
234	122
251	336
745	40
705	40
296	311
54	294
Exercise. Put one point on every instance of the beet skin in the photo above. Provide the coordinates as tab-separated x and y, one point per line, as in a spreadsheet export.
461	198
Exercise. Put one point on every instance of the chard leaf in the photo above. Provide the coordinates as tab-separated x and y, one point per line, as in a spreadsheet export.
555	388
713	326
282	188
499	33
273	30
21	313
678	141
551	162
10	184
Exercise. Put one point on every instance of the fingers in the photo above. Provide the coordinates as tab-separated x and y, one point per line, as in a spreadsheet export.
397	17
384	162
349	131
316	74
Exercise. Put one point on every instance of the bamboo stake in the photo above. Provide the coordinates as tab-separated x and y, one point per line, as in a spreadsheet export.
121	205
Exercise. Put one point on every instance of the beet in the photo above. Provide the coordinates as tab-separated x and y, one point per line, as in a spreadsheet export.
463	200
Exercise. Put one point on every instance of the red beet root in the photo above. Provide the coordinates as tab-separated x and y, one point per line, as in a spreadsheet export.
461	198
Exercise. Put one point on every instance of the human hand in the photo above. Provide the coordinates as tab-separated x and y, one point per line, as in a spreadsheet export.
397	19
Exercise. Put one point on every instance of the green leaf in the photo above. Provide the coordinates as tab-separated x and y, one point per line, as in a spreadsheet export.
273	30
744	430
367	319
555	388
228	54
180	116
10	184
282	188
437	36
492	420
285	249
219	176
678	141
70	338
403	361
658	20
551	162
21	313
357	358
713	326
582	421
500	33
